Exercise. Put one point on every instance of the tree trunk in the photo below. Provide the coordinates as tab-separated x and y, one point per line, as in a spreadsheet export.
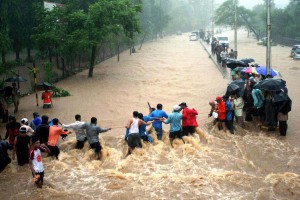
79	60
17	55
63	66
50	54
28	54
3	57
92	62
142	42
57	61
118	52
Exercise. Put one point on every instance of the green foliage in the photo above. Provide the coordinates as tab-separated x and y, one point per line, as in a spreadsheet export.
48	71
58	92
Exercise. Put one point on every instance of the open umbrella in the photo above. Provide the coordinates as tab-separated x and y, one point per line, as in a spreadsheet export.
239	69
263	71
16	79
240	82
44	86
270	84
232	89
250	70
280	96
232	63
247	60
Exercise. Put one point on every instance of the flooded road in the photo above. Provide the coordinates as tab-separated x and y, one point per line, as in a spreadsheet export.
248	165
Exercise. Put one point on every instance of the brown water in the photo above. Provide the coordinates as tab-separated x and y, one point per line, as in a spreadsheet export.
248	165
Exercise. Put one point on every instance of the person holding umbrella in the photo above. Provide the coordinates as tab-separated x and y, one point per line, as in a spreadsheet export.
15	96
47	98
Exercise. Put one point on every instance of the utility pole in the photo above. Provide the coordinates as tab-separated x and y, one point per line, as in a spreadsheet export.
212	20
235	30
268	61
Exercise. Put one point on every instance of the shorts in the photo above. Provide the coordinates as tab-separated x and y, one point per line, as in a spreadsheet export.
54	151
80	144
222	120
96	146
175	134
47	106
41	179
134	140
186	130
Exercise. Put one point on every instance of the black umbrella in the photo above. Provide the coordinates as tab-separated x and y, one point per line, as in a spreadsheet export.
280	96
44	86
270	84
240	82
239	69
16	79
247	60
232	89
231	63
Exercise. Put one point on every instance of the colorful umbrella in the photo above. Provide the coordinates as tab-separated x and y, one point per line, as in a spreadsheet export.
263	71
250	70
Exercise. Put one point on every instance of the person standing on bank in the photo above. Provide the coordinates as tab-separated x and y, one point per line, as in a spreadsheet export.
15	97
189	122
79	128
92	134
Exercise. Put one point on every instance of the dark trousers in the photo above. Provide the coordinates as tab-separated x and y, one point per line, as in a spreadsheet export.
283	127
229	124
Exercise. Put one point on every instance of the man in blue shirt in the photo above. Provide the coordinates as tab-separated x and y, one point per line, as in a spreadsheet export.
229	121
157	115
174	120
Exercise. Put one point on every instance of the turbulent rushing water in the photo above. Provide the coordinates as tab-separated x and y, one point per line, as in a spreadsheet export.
211	165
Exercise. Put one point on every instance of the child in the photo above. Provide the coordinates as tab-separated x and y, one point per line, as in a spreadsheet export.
35	161
21	146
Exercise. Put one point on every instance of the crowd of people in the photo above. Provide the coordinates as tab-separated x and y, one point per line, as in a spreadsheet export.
27	140
268	108
182	122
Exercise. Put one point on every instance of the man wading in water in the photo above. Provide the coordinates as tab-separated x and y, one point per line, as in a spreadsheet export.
134	139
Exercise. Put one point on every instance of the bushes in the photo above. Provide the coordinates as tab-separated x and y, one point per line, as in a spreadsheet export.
58	92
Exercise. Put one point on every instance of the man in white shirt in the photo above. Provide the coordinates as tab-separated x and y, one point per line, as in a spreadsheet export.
24	123
224	56
79	128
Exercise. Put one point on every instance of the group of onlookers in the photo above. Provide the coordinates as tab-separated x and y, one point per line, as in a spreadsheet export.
252	104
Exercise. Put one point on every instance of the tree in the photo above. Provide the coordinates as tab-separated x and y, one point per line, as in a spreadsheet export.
4	38
107	16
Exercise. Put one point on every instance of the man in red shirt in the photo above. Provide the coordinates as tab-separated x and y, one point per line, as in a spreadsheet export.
221	113
46	96
189	122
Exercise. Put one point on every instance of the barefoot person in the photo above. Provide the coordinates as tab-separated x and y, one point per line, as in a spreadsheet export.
134	139
92	134
79	128
221	113
35	161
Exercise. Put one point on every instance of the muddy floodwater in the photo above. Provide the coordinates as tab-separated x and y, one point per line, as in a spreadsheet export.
250	164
